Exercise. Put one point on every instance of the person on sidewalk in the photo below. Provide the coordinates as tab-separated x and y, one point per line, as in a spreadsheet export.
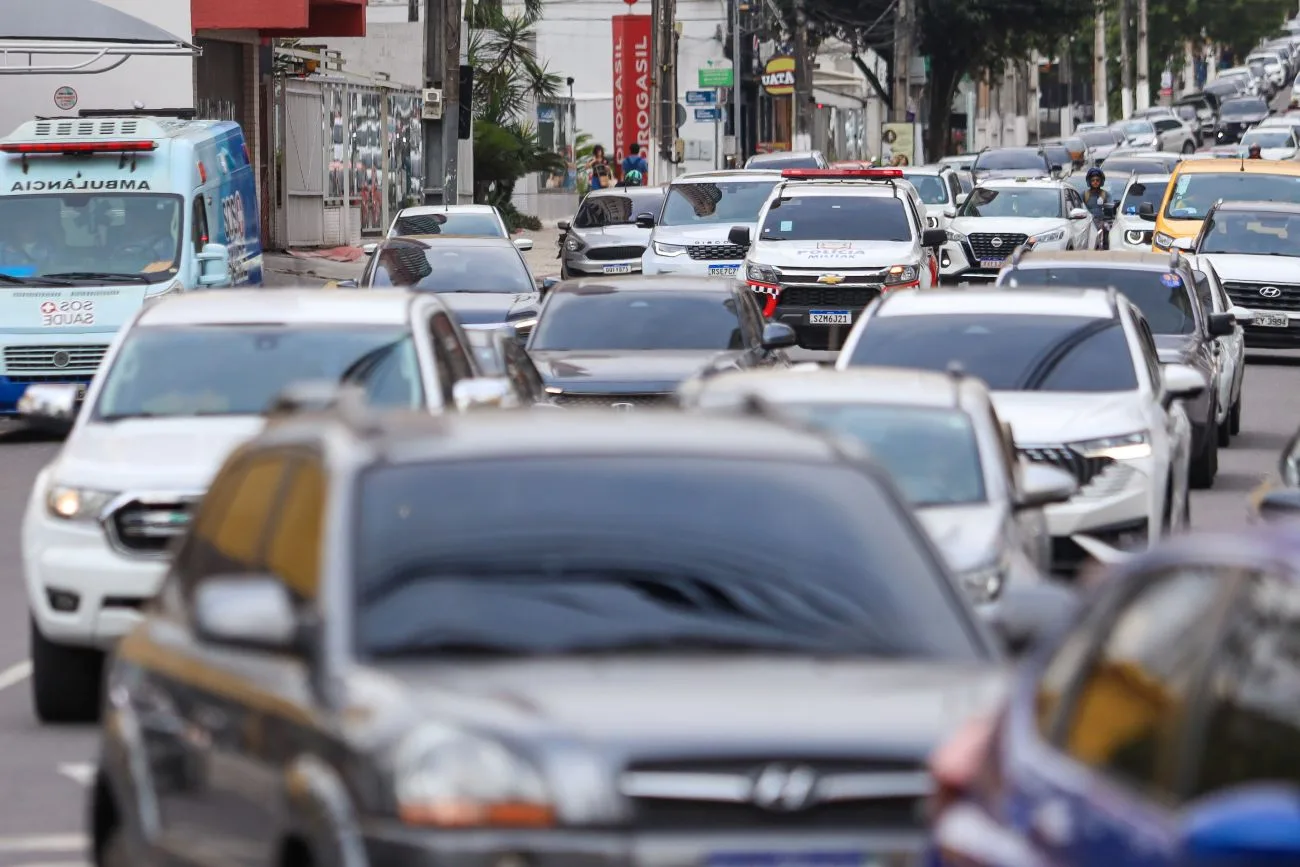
601	176
634	162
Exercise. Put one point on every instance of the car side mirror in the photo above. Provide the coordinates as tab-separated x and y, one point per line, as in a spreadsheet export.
347	284
1108	210
1185	245
934	238
482	393
739	235
249	611
1042	485
1181	381
51	406
214	265
523	244
961	200
1028	613
1079	214
645	221
1222	324
563	225
1147	211
369	249
1242	315
546	284
778	335
1257	824
950	213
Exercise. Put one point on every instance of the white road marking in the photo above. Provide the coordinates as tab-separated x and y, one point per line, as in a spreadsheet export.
81	773
15	674
46	843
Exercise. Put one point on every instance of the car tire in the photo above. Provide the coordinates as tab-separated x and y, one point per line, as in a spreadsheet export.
1234	417
1189	148
1223	432
1205	466
66	681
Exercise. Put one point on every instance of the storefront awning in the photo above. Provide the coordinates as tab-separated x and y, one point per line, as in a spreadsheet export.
99	37
282	18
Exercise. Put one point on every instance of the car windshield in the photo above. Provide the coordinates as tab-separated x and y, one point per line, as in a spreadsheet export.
1025	203
931	453
474	225
721	202
1138	128
1006	159
449	267
1098	138
1260	234
1269	138
616	210
932	189
1162	297
1146	192
1021	352
136	237
1194	193
558	556
1238	108
601	319
839	218
239	370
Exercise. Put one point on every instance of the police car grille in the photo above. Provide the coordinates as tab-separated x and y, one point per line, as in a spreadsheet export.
828	296
1248	295
982	244
722	252
150	527
613	401
606	254
73	359
1084	469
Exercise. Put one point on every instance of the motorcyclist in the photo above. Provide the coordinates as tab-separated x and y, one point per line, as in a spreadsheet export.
1255	153
1095	199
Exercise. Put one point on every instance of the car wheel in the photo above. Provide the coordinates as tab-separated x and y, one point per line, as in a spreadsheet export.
1205	466
1223	432
65	680
1189	148
1234	417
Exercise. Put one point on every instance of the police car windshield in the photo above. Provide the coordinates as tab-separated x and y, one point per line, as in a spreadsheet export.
1021	352
1163	299
1252	234
238	370
932	189
838	218
631	320
137	235
447	267
721	202
1023	203
1146	192
1195	193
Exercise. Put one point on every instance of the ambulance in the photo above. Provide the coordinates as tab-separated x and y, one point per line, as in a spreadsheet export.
104	213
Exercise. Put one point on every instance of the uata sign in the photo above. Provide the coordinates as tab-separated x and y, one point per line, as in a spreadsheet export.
631	82
778	76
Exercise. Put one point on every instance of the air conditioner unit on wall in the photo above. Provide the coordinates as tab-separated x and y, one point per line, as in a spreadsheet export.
432	109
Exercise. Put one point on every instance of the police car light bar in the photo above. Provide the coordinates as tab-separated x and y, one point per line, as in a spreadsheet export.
841	174
77	147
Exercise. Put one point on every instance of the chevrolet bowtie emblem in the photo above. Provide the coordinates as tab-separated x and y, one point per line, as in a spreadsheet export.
831	279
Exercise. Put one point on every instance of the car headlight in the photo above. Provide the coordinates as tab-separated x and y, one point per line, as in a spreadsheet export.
958	237
932	222
447	778
1128	447
1046	237
1162	240
573	243
899	274
1136	237
662	249
76	504
985	583
523	326
756	273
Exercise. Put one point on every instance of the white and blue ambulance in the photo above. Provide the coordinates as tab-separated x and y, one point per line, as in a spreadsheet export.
104	213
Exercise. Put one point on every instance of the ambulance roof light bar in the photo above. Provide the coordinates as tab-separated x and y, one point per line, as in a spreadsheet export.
30	148
840	174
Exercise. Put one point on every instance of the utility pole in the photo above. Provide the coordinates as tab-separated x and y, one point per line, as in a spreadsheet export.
1067	80
902	61
803	76
442	26
737	95
1100	90
1189	67
1143	64
1125	60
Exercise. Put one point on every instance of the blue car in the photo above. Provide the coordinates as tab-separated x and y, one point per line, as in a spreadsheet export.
1161	726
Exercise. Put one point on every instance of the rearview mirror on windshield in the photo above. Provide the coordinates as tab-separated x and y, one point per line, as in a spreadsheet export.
51	406
214	265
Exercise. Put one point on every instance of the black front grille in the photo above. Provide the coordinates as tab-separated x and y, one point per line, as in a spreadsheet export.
1249	295
901	814
984	248
609	254
861	278
613	401
718	252
850	297
1084	469
150	527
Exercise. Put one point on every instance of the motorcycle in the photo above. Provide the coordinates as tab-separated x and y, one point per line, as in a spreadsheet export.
1103	225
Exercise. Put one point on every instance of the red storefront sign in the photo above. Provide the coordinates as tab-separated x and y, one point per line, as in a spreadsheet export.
281	17
631	82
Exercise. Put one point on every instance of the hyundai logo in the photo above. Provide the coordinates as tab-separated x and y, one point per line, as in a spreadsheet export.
784	788
1270	291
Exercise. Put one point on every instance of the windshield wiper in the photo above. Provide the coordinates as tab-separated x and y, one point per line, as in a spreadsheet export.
101	275
11	280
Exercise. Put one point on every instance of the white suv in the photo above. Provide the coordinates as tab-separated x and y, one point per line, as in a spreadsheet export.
940	191
830	241
1077	375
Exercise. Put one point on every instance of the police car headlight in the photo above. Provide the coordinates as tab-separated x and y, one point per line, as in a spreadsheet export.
1046	237
761	274
662	249
158	290
1137	237
901	274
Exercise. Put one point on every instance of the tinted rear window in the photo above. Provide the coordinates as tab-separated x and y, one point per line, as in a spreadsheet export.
612	210
634	321
1168	308
1006	159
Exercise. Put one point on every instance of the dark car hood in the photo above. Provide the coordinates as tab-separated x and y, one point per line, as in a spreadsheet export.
1245	119
711	705
485	308
653	370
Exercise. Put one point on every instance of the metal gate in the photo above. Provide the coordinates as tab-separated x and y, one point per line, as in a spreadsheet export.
302	134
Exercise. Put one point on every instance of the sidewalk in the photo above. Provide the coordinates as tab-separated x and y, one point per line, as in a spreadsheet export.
542	260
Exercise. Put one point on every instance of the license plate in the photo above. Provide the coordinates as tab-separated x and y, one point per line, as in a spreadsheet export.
616	269
830	317
1268	321
81	392
723	270
991	263
791	859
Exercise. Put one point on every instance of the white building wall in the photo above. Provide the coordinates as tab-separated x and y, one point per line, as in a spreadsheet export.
158	82
392	45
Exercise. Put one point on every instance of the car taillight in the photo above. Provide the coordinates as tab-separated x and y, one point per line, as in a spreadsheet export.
965	764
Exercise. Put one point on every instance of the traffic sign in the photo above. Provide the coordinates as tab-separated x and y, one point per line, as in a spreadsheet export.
701	97
716	77
708	115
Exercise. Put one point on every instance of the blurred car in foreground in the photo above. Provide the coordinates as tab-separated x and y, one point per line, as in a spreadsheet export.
1158	728
525	665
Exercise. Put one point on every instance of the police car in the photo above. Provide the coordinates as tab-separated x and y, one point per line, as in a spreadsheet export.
830	241
1003	214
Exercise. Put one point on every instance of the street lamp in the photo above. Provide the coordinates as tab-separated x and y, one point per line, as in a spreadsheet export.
573	131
